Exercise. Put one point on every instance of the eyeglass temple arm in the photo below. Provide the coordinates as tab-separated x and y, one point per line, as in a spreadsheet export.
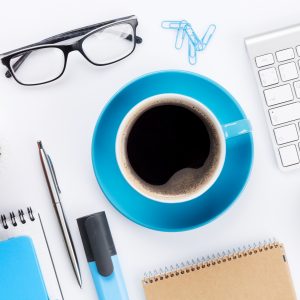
65	36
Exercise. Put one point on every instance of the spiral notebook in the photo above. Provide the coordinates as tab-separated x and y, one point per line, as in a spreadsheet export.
20	268
28	223
261	272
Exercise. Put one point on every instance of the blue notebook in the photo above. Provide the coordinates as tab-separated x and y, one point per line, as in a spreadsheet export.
20	275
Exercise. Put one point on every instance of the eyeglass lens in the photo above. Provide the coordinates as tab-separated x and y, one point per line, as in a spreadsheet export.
40	65
110	44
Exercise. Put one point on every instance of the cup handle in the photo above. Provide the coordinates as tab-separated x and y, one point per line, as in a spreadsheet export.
236	128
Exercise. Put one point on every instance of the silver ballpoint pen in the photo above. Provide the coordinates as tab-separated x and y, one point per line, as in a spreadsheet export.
55	195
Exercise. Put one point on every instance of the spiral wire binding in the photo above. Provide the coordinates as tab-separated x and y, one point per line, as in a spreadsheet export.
30	213
20	217
209	261
13	219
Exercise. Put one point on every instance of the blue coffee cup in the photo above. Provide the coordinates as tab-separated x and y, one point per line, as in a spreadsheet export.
179	215
186	183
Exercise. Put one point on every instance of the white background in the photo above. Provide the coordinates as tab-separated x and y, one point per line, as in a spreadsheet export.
63	115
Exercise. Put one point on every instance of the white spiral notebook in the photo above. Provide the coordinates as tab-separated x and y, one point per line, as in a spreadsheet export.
28	223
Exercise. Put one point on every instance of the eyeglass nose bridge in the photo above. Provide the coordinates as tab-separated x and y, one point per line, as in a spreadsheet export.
77	46
67	49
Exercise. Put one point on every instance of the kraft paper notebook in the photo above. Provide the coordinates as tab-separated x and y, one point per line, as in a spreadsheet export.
257	273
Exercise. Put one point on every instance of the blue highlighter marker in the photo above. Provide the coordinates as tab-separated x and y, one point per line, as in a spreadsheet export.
102	257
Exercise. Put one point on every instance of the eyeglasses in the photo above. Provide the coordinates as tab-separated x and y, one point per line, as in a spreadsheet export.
101	44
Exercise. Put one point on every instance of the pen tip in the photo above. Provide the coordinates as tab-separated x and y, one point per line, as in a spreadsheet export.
39	143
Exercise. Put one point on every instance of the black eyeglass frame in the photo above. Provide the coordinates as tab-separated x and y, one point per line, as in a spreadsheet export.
85	32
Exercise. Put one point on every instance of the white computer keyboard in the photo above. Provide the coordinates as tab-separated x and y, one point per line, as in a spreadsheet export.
275	59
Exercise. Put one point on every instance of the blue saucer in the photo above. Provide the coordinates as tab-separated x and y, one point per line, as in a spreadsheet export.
177	216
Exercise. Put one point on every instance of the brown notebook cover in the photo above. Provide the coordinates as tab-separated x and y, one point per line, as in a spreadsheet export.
260	273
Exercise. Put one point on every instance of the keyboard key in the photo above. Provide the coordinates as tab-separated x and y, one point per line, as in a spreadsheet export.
289	155
268	77
288	71
285	113
286	134
264	60
298	50
278	94
285	54
297	88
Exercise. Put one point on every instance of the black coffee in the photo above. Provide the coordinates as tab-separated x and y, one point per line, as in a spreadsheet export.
166	139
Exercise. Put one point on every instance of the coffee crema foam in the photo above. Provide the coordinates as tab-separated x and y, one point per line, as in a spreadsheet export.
185	183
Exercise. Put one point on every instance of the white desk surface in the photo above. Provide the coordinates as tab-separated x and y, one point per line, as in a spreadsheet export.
63	115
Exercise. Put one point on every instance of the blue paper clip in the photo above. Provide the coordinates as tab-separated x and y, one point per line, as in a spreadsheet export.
194	42
180	36
192	53
208	34
179	25
193	37
173	24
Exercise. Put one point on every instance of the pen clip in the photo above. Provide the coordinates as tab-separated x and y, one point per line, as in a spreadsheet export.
53	172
